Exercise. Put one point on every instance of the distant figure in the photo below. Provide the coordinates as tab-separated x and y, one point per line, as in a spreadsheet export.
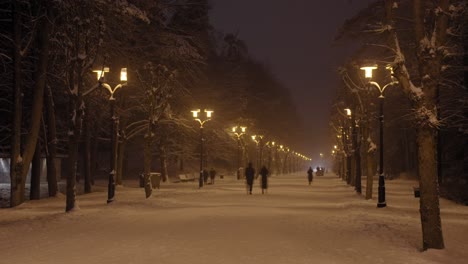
212	175
310	175
239	173
205	176
249	176
264	180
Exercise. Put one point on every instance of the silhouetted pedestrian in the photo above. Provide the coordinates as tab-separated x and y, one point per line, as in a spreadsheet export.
249	176
264	180
212	175
310	175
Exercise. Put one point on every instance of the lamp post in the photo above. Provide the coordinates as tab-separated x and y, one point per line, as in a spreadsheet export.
239	131
368	74
114	125
270	145
321	160
258	143
196	116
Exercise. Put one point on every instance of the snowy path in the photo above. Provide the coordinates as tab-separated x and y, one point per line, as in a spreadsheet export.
294	223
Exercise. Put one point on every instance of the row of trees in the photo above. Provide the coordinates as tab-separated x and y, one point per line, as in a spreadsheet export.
52	103
423	44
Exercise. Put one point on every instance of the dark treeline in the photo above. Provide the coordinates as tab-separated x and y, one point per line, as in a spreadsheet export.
53	106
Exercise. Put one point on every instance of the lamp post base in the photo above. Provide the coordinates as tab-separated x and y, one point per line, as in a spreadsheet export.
200	180
381	205
382	202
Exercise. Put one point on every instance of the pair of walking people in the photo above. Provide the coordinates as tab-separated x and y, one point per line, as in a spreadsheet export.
250	175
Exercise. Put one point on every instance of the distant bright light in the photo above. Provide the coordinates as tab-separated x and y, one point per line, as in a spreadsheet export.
368	71
195	113
348	111
208	113
100	73
123	74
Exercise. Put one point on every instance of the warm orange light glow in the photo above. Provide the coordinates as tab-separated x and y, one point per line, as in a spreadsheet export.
100	73
368	71
123	74
209	113
195	113
348	111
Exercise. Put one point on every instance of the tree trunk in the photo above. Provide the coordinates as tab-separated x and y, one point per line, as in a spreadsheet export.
354	149
51	144
94	154
429	189
21	166
147	152
73	140
368	156
430	65
358	168
87	154
163	160
35	185
16	161
181	164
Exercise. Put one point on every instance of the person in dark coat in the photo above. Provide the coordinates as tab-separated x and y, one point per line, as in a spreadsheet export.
310	175
212	175
264	180
249	176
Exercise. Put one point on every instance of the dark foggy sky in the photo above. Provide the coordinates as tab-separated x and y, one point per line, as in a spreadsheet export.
294	37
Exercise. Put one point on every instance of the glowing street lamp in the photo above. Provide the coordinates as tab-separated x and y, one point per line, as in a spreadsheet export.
114	125
258	142
197	117
239	131
368	74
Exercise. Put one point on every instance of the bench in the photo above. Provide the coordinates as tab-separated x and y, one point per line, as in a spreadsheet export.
185	178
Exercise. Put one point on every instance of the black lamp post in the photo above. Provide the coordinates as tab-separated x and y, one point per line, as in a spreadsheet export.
258	152
270	156
239	131
368	74
197	118
114	126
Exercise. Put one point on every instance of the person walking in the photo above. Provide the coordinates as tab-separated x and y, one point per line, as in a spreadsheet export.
264	179
310	175
212	175
249	176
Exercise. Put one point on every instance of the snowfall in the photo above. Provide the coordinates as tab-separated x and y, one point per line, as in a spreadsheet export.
325	222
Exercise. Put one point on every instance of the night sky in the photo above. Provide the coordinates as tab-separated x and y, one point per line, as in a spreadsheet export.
295	38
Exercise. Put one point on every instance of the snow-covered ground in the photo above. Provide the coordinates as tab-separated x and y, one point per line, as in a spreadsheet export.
326	222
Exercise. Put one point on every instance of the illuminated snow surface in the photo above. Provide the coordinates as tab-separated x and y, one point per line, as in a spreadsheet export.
326	222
